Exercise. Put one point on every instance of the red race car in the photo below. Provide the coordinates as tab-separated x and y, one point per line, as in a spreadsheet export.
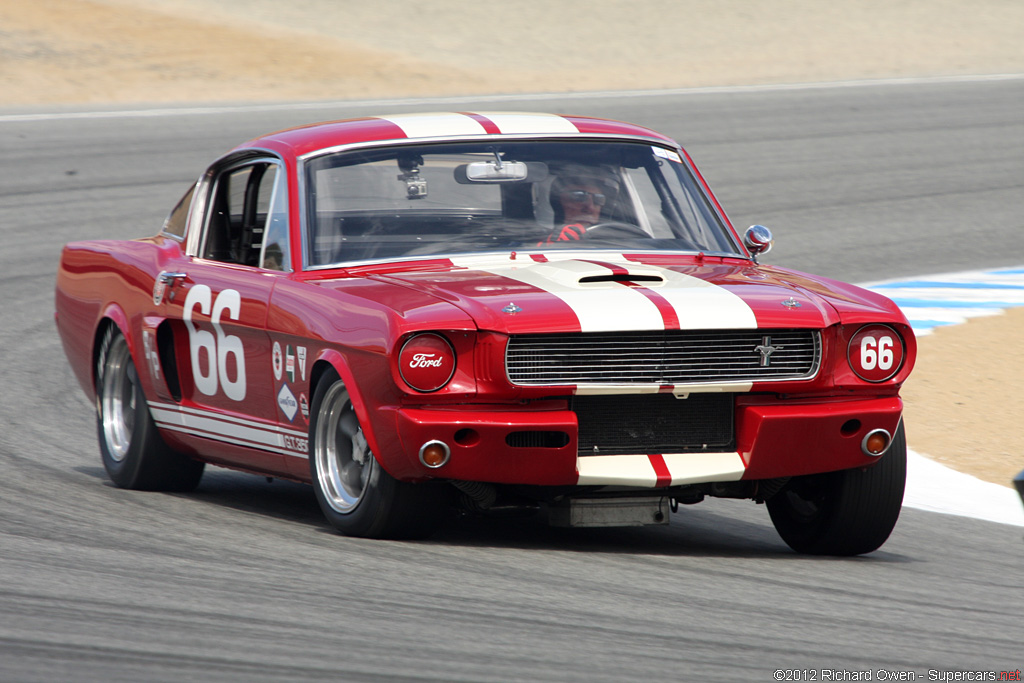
500	311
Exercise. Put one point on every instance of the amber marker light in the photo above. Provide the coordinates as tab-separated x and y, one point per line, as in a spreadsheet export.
876	442
434	454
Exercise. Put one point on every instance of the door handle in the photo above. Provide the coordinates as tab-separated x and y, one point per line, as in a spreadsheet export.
169	278
164	284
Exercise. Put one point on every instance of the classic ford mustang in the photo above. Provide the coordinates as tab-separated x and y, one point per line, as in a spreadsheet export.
493	313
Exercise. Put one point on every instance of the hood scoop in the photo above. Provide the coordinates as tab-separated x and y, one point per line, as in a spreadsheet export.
623	277
576	272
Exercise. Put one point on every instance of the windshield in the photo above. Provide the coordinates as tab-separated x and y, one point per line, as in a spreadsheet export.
465	198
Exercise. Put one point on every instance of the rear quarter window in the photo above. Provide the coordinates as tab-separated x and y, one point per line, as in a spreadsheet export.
178	220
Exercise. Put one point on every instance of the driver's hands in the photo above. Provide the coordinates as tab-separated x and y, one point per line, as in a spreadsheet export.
568	233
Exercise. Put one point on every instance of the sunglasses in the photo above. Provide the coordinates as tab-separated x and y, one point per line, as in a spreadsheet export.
580	196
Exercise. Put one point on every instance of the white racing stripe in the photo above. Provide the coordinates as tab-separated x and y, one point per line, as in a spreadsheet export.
436	125
616	470
452	123
612	307
530	123
702	305
638	470
691	468
234	430
599	306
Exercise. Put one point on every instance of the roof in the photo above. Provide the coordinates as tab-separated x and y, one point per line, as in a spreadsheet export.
305	139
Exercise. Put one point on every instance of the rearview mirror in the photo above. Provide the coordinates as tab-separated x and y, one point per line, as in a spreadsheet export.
494	171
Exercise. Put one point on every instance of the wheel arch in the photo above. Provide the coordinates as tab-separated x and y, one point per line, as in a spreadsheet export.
332	359
112	316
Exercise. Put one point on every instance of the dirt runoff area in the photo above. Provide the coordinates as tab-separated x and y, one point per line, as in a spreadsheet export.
962	406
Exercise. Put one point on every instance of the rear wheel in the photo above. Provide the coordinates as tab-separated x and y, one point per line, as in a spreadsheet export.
134	455
356	495
843	513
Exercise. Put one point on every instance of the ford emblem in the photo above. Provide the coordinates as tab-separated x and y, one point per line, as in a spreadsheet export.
511	309
791	303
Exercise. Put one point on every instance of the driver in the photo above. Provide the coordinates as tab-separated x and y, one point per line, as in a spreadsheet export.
577	198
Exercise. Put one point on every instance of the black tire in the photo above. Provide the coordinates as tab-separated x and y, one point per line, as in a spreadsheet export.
851	512
356	495
134	455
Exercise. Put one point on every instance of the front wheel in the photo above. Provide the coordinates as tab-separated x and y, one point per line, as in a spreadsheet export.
134	455
356	495
843	513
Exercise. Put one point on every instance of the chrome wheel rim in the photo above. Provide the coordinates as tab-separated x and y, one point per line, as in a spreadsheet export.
343	459
118	396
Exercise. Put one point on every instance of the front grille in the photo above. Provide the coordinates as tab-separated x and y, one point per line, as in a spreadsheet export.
537	439
674	357
654	423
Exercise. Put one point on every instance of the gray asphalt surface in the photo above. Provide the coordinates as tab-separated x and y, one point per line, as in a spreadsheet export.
243	581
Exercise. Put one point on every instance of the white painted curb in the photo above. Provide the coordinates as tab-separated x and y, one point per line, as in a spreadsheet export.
951	299
934	487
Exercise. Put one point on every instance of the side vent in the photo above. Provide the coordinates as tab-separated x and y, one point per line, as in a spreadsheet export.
165	349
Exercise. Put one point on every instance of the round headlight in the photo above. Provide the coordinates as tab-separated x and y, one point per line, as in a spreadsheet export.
876	353
426	362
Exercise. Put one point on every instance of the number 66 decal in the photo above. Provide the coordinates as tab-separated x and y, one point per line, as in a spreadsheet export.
217	349
876	353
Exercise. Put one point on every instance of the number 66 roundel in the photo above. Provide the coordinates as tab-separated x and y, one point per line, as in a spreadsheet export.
876	353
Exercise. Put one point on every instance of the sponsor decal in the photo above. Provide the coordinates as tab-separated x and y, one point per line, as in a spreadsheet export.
304	406
278	361
287	403
301	352
667	154
296	443
289	363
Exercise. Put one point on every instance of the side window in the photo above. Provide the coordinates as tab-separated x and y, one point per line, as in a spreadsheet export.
178	220
247	217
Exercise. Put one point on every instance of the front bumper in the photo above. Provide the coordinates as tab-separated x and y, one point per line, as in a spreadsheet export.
774	438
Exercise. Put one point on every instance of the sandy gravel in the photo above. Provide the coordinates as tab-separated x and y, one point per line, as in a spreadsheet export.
78	51
962	407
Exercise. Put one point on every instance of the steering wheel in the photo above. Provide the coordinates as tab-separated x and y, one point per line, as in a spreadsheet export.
614	229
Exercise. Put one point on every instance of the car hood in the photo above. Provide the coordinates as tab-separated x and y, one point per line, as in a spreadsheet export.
602	293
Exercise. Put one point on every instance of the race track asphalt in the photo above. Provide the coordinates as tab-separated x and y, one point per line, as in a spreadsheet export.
243	581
